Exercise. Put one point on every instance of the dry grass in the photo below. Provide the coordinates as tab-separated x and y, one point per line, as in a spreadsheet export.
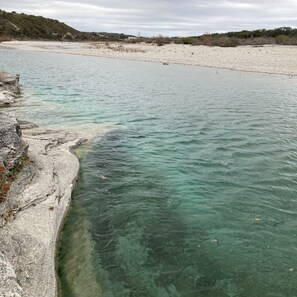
5	38
117	47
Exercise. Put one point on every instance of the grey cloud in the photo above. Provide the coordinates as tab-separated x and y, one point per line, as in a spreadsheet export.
168	17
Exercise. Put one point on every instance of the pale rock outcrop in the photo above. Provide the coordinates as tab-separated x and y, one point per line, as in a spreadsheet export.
12	151
9	88
12	147
9	286
38	202
37	176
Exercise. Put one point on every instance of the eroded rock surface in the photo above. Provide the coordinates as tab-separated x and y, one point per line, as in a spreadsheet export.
9	88
12	147
13	150
8	280
38	202
37	175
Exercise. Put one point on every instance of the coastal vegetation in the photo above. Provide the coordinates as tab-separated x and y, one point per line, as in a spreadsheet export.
20	26
283	36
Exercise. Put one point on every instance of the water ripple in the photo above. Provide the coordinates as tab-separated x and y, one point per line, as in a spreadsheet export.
196	196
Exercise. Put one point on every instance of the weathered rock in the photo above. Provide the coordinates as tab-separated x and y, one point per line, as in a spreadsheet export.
8	280
12	147
29	238
9	88
35	203
12	150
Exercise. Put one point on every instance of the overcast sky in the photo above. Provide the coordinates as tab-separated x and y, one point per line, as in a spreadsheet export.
166	17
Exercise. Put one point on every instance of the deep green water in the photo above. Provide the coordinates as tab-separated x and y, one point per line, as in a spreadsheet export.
193	189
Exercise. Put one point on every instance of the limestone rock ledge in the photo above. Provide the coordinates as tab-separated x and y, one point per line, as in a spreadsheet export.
12	147
12	151
9	88
34	212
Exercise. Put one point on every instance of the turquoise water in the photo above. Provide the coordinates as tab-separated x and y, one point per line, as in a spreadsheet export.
191	192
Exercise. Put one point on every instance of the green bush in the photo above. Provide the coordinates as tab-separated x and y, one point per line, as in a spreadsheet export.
282	39
217	40
188	40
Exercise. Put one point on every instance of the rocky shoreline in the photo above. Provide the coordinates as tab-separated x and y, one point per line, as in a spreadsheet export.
37	176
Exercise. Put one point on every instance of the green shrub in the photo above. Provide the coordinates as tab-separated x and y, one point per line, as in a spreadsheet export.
217	40
282	39
188	40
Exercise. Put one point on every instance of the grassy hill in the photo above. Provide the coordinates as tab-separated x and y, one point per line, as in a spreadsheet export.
29	27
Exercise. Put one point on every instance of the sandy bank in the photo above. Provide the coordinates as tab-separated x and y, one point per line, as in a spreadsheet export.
276	59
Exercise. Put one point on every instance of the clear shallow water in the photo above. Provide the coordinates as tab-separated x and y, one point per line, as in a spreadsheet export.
193	191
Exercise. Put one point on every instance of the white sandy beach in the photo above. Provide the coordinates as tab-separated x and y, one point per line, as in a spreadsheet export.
276	59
